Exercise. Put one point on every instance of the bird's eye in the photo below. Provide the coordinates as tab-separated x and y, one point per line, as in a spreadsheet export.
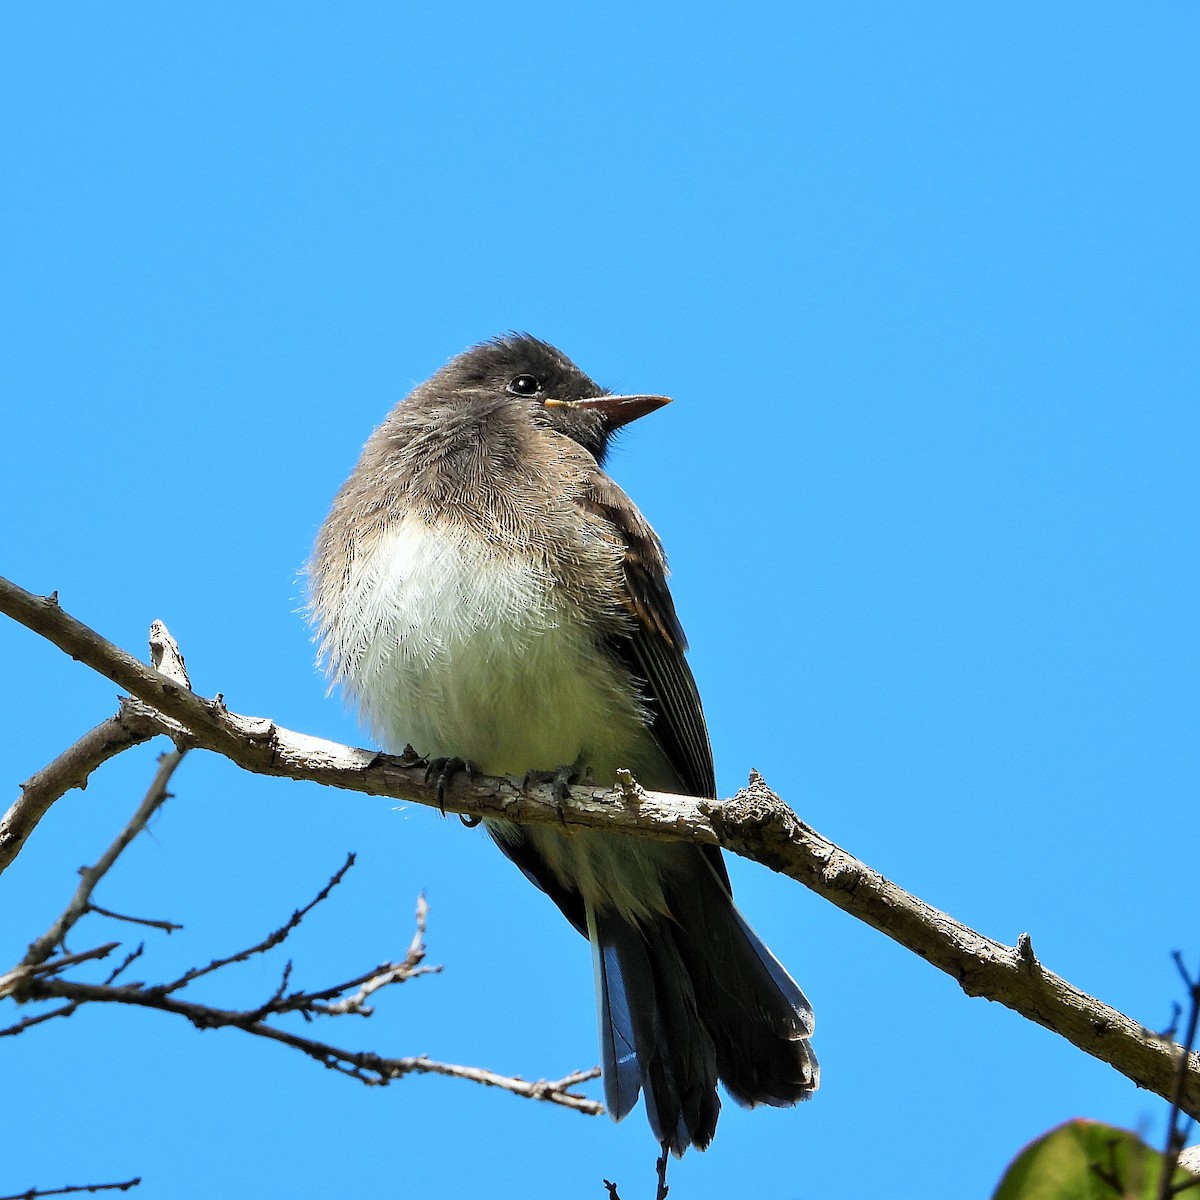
525	385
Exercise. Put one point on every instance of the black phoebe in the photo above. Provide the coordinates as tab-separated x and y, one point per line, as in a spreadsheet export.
488	594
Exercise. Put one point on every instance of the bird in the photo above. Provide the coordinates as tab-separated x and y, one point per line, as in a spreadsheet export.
490	598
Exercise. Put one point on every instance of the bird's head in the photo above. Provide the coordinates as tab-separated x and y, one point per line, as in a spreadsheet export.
521	370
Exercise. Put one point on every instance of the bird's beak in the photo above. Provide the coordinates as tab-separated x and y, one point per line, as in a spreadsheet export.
616	410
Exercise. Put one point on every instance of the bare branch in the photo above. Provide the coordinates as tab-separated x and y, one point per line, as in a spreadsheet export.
1177	1129
25	1023
124	964
383	975
660	1170
56	966
367	984
165	655
164	692
364	1065
155	797
36	979
33	1193
755	824
165	926
557	1092
271	940
131	726
14	982
660	1179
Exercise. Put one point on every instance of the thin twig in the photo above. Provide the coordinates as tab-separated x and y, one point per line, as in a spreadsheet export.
364	1065
131	726
383	975
1177	1131
33	1193
660	1171
155	797
54	966
38	981
35	979
277	996
165	926
271	940
14	982
314	1003
122	966
29	1022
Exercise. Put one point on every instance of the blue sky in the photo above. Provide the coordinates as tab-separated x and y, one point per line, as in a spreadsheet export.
922	280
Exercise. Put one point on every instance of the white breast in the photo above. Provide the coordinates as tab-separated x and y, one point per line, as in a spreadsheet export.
460	650
457	648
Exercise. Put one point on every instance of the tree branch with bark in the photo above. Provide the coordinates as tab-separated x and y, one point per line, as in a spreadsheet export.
755	823
42	975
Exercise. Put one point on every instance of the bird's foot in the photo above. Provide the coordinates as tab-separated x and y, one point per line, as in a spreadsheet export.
443	770
560	781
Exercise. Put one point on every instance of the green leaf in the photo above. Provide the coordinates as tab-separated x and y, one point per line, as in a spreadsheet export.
1084	1160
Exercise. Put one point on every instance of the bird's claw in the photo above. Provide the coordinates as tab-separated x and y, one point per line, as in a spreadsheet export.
560	781
443	770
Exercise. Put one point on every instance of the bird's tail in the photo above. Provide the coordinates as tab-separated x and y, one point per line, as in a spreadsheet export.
692	998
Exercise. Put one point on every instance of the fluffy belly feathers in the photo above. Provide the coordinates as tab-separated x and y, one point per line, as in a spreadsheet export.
457	649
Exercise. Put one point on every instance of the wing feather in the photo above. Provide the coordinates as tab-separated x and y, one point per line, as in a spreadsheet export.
653	650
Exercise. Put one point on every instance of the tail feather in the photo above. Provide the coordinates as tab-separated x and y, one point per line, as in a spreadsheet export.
799	1012
688	999
651	1034
682	1080
621	970
759	1018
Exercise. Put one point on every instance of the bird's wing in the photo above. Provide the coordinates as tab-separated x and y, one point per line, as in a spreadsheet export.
653	646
